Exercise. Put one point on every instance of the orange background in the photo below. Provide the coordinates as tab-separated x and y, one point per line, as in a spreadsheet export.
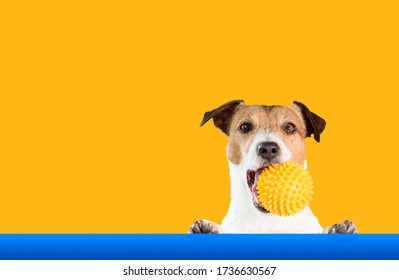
101	102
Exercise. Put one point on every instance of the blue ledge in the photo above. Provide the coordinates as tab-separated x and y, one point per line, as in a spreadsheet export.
198	247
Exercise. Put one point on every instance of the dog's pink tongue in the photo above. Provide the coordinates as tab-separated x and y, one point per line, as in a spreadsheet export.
255	185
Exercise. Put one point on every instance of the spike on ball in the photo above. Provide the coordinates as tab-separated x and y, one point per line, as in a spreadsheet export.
285	189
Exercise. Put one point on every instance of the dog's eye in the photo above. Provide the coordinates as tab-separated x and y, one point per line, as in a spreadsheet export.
289	128
246	127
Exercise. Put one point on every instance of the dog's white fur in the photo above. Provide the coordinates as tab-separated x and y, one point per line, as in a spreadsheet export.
243	217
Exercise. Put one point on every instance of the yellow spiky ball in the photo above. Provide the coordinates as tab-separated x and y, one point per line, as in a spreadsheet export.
285	189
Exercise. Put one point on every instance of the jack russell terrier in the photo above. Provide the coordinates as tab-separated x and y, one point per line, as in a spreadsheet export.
260	136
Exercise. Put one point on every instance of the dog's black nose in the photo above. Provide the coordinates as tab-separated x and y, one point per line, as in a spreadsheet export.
268	150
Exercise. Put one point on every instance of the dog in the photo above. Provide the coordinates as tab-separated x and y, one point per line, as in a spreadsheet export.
260	136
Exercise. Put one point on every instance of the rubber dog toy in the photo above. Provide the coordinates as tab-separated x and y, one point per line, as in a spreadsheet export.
285	189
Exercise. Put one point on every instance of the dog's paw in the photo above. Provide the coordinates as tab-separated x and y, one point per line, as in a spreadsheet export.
346	226
203	226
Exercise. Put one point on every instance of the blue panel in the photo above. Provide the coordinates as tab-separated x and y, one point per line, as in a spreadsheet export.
198	247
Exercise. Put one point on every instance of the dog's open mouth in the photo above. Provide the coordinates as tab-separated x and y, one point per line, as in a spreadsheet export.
252	181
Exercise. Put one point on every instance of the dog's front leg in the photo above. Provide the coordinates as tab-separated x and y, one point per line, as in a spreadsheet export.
204	226
346	226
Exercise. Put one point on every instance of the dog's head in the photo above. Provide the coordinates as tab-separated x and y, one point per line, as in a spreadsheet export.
260	136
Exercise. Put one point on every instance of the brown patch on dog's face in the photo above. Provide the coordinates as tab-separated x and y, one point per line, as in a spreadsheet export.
278	120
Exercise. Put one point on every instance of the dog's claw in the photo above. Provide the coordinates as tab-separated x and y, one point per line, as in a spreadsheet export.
345	227
203	226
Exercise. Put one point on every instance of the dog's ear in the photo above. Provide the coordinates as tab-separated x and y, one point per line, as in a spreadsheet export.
314	124
222	115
